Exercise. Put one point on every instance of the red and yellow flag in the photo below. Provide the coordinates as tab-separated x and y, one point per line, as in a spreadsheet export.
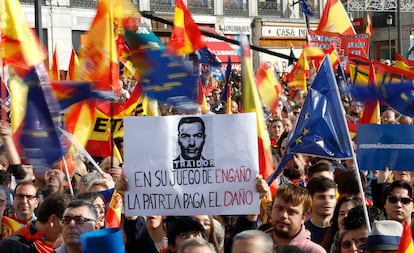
406	242
368	26
113	214
371	113
201	97
403	63
73	65
335	19
298	76
99	56
11	224
251	103
268	86
186	36
19	46
54	71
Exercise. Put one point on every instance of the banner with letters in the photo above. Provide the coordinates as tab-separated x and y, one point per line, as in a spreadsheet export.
191	164
345	45
381	146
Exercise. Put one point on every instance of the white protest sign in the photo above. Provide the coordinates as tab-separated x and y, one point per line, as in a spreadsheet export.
191	164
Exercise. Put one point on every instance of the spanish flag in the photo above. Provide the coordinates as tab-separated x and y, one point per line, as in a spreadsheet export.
298	76
268	86
335	19
371	113
19	46
54	71
73	65
185	37
406	242
403	63
251	103
113	214
368	26
11	225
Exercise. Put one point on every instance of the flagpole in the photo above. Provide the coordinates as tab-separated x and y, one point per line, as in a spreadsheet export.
68	176
111	81
361	189
82	150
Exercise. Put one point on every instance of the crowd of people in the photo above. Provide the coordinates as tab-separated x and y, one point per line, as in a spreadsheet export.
318	206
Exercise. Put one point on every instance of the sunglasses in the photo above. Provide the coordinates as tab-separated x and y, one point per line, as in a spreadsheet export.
403	200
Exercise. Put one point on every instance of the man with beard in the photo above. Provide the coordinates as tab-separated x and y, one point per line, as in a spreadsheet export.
79	217
323	192
294	171
290	207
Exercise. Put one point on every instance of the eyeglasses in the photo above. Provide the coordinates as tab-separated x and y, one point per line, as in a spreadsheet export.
403	200
78	220
22	196
347	244
2	201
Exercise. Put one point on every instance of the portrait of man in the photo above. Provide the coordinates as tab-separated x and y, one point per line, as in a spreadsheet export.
191	139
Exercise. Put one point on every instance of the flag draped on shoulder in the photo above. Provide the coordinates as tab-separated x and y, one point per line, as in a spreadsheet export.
321	128
268	86
252	103
335	19
371	113
186	36
19	46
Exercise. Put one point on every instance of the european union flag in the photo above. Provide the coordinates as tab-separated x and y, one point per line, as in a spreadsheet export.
42	143
306	8
400	96
206	57
163	77
292	57
227	77
321	128
342	80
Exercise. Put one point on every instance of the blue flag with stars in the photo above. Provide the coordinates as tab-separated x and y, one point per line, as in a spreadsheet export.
321	129
163	77
400	96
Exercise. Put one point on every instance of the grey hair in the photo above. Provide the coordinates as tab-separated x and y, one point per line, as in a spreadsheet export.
196	242
266	246
88	178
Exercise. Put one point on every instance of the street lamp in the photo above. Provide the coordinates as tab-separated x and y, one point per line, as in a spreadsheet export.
389	23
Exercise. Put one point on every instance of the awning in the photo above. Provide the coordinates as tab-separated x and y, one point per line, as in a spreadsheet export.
221	50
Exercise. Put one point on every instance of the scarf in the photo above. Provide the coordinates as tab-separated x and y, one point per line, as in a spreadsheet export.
34	237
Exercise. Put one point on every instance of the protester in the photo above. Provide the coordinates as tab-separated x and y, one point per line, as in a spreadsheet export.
39	236
356	225
385	236
98	202
291	205
25	201
182	228
323	193
342	208
79	217
398	203
252	241
196	245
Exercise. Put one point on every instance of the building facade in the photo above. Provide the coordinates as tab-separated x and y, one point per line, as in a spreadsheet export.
273	24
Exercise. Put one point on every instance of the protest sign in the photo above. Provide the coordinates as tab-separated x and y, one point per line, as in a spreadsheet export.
188	165
380	146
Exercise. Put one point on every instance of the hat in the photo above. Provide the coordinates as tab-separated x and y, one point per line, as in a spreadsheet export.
385	235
